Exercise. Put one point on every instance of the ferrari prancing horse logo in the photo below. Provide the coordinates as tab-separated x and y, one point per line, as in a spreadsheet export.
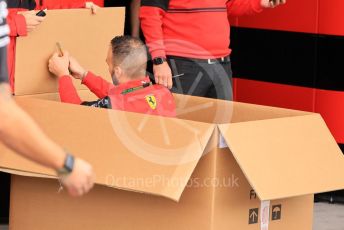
151	100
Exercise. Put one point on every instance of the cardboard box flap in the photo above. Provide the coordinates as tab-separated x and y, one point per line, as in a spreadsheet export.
286	157
222	112
78	31
137	152
84	94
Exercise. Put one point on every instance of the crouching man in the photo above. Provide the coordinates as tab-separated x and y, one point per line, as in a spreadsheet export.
131	89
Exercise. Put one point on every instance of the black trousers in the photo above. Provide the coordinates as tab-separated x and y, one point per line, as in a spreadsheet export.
201	78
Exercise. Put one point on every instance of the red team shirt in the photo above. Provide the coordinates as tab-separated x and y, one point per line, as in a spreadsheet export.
152	100
191	28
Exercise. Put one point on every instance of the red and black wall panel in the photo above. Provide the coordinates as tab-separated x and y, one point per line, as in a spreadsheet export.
274	67
291	57
331	17
296	16
99	2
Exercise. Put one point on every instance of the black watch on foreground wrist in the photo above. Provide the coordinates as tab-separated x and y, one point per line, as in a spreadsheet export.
159	60
68	166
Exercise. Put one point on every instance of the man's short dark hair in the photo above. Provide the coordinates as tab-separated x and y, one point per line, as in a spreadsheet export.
130	54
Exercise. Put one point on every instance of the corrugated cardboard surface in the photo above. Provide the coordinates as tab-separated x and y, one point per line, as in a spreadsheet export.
87	37
132	152
211	201
233	201
287	157
119	145
107	208
224	112
85	95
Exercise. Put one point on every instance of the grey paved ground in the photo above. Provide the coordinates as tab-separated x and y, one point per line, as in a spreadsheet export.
326	217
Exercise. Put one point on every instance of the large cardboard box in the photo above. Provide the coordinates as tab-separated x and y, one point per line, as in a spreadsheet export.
218	165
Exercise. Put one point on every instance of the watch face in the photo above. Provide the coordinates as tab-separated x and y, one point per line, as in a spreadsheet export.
158	61
69	163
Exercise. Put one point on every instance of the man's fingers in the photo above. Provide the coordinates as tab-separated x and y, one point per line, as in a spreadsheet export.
166	81
92	6
170	82
39	19
90	179
76	191
34	23
65	54
272	3
94	9
55	55
31	27
159	80
162	80
79	191
90	183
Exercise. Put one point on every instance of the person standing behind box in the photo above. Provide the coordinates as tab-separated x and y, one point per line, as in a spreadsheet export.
191	37
131	90
26	21
21	134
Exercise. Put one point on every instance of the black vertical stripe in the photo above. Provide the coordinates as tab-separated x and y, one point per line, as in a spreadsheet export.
301	59
274	56
331	63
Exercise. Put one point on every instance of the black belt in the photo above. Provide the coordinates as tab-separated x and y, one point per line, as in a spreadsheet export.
226	59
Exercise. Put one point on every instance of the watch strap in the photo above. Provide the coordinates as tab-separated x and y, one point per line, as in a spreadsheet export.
68	166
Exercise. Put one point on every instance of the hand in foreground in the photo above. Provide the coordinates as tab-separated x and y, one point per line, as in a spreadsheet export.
81	180
163	75
59	65
32	21
272	3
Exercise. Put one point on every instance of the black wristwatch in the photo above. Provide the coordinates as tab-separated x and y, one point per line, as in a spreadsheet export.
68	166
159	60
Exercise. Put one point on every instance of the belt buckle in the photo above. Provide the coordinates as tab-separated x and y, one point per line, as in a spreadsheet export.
211	61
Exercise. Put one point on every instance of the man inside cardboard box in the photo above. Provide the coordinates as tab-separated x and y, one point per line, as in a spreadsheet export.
131	90
20	133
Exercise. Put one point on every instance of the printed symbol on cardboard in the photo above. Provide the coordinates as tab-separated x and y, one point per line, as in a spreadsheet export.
276	212
253	216
253	194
